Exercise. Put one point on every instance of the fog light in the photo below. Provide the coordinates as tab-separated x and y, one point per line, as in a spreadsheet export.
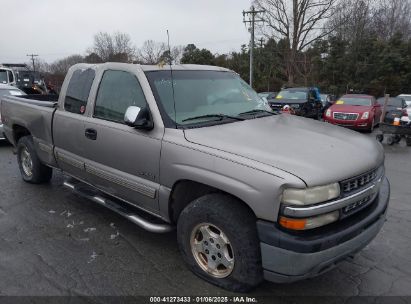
309	223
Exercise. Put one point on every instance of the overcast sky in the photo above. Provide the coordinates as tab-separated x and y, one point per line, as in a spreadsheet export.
58	28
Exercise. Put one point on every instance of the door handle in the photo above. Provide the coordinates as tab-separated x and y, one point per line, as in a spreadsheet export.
91	134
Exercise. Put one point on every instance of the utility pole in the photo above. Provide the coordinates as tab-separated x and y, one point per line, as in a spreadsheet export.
251	14
32	60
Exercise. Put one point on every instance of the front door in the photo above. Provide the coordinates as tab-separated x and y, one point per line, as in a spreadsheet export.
121	160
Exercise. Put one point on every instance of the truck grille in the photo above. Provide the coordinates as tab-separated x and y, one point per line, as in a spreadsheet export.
345	116
355	183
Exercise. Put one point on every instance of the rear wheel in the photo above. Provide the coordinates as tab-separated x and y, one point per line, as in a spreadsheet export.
390	140
408	141
217	237
31	169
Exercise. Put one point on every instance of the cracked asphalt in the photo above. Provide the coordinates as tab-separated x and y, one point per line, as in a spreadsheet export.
55	243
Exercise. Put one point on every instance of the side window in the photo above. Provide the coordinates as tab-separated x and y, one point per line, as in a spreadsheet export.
11	77
118	90
311	95
78	90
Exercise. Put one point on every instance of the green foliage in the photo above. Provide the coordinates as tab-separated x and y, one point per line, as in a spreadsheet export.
368	65
194	55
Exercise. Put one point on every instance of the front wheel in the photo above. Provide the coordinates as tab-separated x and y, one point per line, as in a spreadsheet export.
217	237
31	168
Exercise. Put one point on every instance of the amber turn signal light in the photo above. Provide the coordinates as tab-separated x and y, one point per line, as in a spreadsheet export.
292	223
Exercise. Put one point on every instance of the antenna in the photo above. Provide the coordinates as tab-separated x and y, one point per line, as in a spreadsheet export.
172	78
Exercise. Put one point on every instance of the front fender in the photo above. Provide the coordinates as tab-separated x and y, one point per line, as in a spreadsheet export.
260	188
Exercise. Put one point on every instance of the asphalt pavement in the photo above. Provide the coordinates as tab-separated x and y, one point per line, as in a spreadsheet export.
55	243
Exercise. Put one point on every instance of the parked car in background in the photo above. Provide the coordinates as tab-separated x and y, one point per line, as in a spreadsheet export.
407	98
396	108
269	96
252	194
7	76
7	90
327	101
304	101
355	111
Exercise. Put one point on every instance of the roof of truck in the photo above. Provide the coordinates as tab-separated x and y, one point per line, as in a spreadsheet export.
192	67
158	67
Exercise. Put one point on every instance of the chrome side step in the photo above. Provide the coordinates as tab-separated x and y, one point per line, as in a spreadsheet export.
124	211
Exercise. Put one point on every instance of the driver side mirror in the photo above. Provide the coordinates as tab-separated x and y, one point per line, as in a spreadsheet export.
139	118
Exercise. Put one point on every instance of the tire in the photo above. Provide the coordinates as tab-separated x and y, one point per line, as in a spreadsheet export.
408	141
371	129
379	137
31	169
223	216
390	140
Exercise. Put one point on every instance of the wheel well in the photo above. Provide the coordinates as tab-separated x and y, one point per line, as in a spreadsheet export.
185	191
19	132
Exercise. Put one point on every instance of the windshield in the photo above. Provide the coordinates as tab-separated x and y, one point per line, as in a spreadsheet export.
405	97
354	101
3	76
394	102
199	93
13	92
292	94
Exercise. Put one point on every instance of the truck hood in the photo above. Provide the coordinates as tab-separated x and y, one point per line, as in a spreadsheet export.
316	152
350	108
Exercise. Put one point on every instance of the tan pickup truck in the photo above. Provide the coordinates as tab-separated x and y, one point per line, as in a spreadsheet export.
252	194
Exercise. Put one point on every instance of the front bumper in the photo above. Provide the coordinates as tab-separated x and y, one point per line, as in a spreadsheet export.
287	257
359	124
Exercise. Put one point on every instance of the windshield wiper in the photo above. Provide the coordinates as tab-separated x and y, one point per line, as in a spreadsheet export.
256	111
220	116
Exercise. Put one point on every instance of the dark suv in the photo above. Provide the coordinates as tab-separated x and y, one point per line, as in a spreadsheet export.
304	101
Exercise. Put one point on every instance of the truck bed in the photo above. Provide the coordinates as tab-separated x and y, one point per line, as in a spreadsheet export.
30	116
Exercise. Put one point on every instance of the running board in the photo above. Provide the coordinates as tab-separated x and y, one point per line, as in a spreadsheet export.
127	212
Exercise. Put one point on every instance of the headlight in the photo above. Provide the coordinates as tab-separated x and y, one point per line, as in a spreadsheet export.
309	196
365	115
328	113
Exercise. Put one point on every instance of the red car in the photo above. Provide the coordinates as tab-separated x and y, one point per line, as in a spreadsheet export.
355	111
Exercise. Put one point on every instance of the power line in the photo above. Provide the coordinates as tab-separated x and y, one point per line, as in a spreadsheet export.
32	60
252	21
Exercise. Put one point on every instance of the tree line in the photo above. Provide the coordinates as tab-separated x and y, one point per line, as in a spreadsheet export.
337	45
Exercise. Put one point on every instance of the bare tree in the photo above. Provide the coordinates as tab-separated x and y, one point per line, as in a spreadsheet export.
151	52
61	66
115	47
177	53
392	16
297	22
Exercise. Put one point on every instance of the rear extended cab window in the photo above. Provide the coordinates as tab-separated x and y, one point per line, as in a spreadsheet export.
78	91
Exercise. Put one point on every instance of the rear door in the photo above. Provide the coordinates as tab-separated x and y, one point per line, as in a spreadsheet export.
121	160
68	124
